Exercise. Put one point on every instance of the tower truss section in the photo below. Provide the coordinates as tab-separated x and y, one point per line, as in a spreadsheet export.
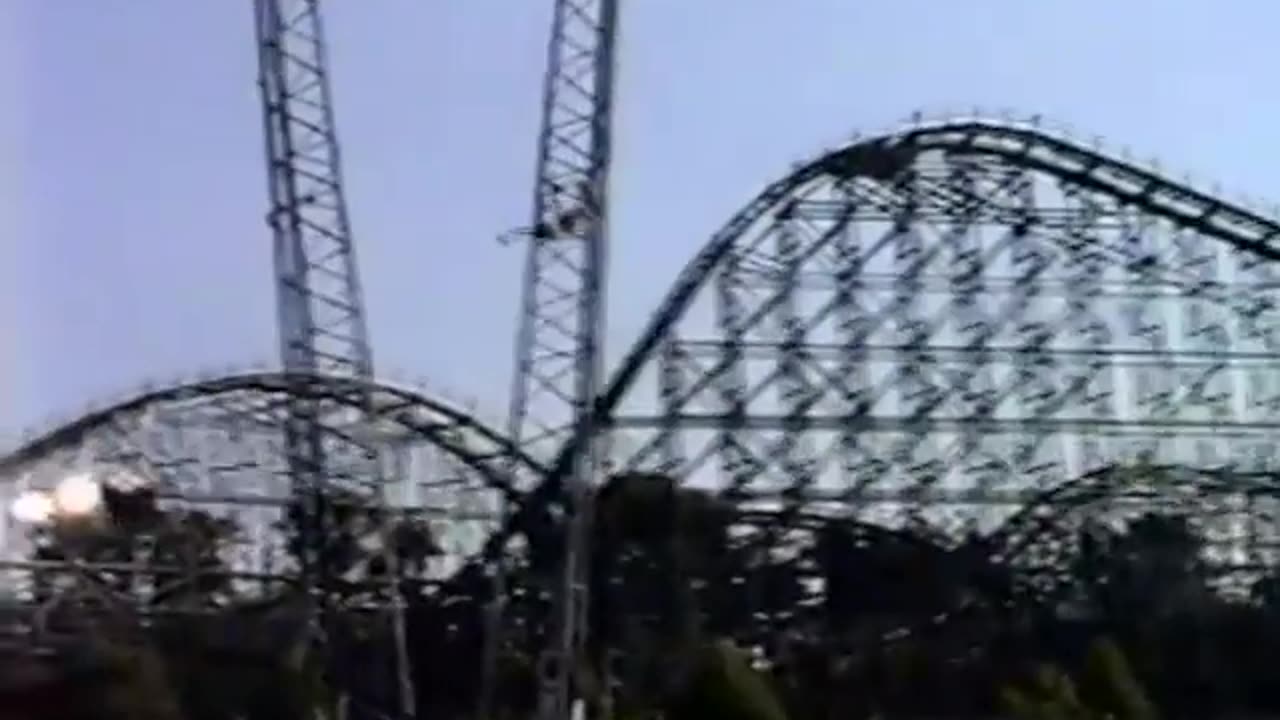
562	314
215	448
561	327
319	301
946	321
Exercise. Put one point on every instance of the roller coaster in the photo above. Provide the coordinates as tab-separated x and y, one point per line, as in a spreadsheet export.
975	321
957	318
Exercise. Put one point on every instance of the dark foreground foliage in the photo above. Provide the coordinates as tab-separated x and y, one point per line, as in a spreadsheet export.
692	617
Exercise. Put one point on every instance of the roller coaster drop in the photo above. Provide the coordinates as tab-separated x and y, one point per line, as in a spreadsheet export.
965	321
953	319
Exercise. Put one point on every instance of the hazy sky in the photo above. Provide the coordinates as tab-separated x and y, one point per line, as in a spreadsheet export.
132	187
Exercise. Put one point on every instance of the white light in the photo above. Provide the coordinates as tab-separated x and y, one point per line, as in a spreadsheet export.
76	496
32	507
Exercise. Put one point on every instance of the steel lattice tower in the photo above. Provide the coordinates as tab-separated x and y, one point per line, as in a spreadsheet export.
558	353
320	303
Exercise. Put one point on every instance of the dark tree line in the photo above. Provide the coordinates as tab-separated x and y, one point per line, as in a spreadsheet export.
695	608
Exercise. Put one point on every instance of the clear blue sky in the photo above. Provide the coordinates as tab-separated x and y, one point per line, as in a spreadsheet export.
132	189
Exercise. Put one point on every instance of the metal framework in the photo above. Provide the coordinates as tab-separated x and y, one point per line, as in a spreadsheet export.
558	349
215	446
321	319
948	320
1028	560
320	303
562	312
1234	511
981	324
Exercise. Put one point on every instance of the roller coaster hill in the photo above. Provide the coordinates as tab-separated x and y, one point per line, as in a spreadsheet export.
978	342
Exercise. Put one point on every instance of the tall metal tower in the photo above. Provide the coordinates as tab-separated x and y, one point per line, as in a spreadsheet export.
558	352
320	303
319	299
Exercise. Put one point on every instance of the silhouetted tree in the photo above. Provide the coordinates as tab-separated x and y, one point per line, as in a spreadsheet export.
844	620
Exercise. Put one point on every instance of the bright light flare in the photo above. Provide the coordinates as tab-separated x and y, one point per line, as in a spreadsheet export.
77	496
33	507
